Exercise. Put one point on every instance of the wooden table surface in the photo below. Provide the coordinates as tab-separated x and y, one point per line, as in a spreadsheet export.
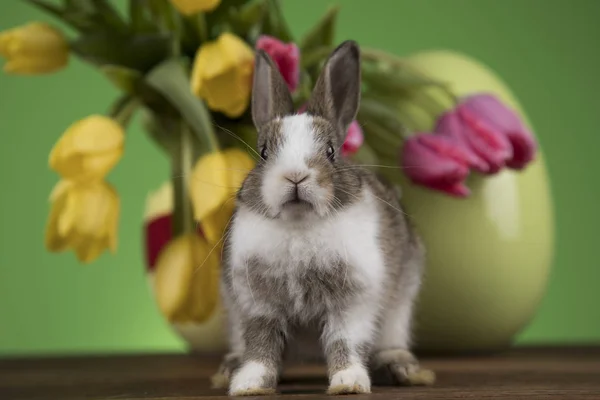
555	373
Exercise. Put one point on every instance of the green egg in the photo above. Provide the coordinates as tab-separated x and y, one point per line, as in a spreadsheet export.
489	255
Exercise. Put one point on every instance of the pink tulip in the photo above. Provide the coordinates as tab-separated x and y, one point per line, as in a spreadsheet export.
437	162
497	115
488	146
491	132
285	55
354	137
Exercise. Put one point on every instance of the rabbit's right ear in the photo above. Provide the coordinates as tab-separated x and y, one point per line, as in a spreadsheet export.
271	97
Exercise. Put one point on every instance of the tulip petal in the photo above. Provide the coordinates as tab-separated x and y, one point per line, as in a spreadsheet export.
209	186
436	162
486	140
54	241
450	125
90	250
94	208
191	7
88	149
506	120
285	55
83	217
239	165
204	291
215	224
222	74
173	274
35	48
354	139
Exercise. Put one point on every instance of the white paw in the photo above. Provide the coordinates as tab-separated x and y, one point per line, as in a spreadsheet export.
251	380
354	379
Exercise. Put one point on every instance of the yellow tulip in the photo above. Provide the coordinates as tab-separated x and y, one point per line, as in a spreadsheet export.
186	279
213	184
88	149
222	74
84	217
191	7
35	48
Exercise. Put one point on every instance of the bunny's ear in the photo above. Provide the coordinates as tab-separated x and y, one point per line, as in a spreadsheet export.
271	97
336	96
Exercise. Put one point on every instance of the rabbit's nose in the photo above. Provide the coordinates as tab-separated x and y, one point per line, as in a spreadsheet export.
296	177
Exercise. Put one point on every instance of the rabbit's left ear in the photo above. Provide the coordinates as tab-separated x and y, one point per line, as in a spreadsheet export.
336	96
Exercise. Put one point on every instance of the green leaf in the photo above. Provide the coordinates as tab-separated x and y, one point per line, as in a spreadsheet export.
379	140
48	7
316	56
67	15
126	79
86	6
386	116
275	24
105	12
249	17
133	83
172	81
163	14
123	109
139	18
140	52
161	131
322	34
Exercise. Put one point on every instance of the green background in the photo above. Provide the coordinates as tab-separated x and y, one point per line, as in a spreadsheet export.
546	50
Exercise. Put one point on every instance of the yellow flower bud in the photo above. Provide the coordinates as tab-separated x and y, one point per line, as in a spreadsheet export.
191	7
84	217
35	48
222	74
214	182
186	279
88	149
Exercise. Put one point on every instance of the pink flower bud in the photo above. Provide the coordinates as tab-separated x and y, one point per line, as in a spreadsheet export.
488	146
285	55
354	136
437	162
491	132
500	118
354	139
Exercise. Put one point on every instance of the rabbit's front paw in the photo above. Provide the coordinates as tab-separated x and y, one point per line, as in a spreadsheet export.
230	363
400	367
253	379
352	380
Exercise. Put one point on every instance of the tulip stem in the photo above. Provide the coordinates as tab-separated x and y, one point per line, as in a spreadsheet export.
123	110
201	27
183	162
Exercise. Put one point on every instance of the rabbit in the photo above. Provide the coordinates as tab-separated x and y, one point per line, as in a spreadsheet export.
318	253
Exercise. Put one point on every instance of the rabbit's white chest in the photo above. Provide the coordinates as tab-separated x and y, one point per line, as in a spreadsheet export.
287	257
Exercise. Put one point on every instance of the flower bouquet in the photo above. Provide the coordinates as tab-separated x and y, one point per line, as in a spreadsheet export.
186	67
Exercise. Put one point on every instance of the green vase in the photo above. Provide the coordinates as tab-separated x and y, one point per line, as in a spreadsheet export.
489	255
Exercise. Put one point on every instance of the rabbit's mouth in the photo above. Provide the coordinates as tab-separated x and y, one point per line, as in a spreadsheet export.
297	203
296	209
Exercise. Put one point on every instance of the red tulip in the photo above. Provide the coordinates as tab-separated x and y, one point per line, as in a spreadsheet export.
437	162
285	55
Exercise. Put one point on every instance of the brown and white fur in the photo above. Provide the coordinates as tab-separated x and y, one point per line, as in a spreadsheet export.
318	254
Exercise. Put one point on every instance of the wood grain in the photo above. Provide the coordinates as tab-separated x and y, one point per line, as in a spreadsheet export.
543	373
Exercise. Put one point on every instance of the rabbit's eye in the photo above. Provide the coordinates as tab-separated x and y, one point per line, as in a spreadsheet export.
330	152
264	153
